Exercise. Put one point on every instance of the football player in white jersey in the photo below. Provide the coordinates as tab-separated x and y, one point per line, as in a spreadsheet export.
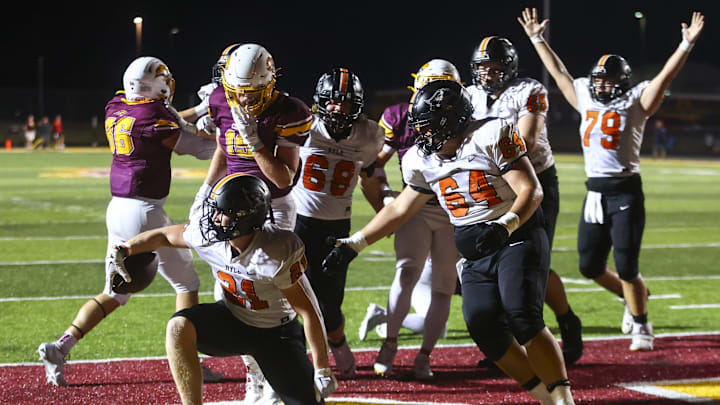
479	172
339	153
497	91
613	115
427	285
261	269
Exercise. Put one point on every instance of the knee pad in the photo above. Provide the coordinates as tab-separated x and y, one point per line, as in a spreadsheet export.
491	336
591	270
525	325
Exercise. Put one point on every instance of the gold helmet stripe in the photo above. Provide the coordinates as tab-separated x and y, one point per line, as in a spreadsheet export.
602	60
225	180
484	43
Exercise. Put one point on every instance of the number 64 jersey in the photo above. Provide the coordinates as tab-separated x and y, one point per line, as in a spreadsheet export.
611	133
330	168
470	186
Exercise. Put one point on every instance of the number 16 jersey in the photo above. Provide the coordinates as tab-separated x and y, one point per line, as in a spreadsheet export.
611	134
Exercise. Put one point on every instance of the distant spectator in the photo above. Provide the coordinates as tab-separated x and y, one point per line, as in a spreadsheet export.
58	133
44	130
29	129
660	140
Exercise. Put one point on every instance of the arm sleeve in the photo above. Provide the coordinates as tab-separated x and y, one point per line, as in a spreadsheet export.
509	146
533	100
294	266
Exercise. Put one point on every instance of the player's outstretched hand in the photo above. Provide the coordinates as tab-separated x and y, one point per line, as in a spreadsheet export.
118	253
246	126
691	33
339	257
530	23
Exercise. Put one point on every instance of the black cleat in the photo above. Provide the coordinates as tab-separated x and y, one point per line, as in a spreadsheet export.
571	334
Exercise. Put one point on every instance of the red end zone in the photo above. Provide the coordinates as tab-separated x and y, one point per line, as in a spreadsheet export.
595	379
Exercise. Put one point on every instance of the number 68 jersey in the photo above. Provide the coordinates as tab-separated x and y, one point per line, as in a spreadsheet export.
611	133
330	168
470	186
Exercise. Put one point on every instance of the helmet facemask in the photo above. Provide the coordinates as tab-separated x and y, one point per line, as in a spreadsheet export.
503	53
439	112
612	68
249	78
343	88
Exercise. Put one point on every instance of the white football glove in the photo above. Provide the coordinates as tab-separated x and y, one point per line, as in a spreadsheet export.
246	126
205	91
118	253
206	124
325	383
184	125
200	197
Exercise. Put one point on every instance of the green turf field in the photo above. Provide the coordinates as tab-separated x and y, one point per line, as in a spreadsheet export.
53	241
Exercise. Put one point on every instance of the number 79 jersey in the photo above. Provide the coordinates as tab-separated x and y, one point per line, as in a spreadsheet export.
470	186
611	134
330	168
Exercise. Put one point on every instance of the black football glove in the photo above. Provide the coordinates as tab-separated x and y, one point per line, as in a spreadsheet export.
491	239
339	257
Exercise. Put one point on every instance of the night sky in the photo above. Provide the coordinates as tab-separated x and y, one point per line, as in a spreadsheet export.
382	42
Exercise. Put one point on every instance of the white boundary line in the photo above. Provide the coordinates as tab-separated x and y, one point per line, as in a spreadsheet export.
651	388
367	349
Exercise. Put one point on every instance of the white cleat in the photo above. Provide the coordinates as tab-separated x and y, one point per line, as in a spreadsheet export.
54	362
627	320
210	376
270	397
344	361
381	330
254	383
384	360
642	337
421	368
374	316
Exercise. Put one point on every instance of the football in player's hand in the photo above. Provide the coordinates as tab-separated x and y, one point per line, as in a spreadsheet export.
142	268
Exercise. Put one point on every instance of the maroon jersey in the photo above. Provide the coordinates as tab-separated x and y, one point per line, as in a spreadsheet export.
135	131
286	122
397	133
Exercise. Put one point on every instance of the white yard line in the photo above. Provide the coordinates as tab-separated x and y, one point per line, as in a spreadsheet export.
696	306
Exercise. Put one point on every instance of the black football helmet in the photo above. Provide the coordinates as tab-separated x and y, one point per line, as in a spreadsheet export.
439	111
494	49
142	268
339	84
217	70
242	197
610	67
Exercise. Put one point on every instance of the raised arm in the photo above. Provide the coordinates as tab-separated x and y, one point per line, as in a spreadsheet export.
550	59
652	96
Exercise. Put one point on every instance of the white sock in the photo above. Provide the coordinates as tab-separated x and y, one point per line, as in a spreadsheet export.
540	393
561	395
66	343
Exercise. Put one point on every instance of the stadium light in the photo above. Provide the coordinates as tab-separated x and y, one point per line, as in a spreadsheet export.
138	34
639	15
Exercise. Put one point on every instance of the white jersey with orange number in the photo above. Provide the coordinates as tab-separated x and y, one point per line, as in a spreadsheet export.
470	186
611	134
253	280
330	168
520	97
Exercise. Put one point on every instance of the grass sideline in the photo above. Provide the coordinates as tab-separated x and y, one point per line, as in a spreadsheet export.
53	240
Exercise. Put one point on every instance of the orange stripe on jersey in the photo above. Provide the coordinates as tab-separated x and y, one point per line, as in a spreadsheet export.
343	80
225	180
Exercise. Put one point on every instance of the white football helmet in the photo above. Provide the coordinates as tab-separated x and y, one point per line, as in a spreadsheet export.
435	69
249	78
148	77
